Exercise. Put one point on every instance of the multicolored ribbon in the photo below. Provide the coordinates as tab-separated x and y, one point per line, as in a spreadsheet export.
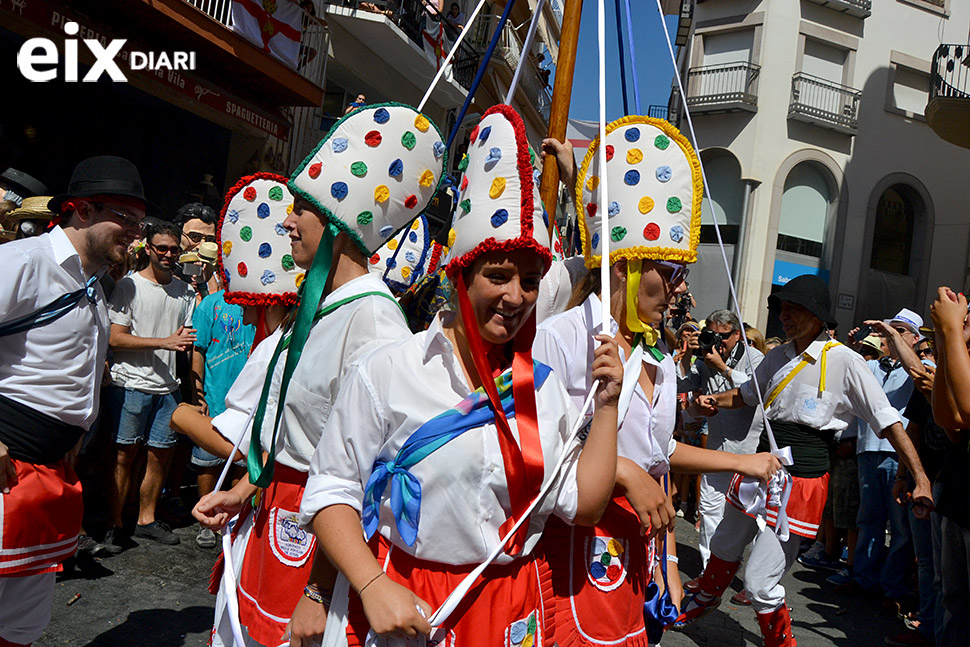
471	413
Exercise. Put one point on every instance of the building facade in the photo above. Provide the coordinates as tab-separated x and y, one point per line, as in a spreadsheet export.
809	116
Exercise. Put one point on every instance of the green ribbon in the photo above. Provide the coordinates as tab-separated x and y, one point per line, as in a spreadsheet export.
653	350
311	291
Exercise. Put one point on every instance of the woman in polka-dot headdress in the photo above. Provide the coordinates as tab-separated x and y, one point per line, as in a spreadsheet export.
434	500
600	575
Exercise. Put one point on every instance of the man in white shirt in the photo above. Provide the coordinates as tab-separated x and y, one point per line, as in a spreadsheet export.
151	320
51	364
812	388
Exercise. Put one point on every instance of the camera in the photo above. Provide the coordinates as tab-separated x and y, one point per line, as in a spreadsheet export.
191	269
707	341
680	311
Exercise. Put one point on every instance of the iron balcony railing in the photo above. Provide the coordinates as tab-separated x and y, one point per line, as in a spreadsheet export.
311	61
724	87
509	49
858	8
657	111
830	105
951	76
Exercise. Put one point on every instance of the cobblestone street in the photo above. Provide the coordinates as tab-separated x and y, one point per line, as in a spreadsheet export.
155	596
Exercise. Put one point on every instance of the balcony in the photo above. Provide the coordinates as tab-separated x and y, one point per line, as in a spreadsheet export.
728	87
948	110
509	49
857	8
823	103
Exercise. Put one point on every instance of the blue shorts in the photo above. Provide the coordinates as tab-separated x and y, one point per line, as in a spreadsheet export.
202	458
139	414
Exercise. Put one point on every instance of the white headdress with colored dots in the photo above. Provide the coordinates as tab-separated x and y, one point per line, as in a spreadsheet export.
656	189
255	260
404	259
375	172
499	206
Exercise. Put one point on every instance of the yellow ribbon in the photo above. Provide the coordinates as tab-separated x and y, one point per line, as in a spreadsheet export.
802	364
633	322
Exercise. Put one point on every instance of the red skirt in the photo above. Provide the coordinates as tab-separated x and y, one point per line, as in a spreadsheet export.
40	519
507	605
278	559
805	504
599	576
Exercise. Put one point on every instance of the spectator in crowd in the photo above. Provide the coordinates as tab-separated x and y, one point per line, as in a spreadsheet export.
725	365
31	218
16	185
871	347
455	18
198	223
755	338
222	345
151	316
48	379
874	567
951	410
359	102
772	342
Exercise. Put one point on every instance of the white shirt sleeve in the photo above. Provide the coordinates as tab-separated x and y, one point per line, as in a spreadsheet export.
119	307
866	399
350	443
244	394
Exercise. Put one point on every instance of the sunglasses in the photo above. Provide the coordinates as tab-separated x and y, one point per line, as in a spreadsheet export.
924	352
165	249
678	272
198	237
724	336
129	220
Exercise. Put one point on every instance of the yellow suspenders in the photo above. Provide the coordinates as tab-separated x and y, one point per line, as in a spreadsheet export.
802	364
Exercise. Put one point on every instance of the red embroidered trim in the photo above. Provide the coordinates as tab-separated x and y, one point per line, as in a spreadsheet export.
239	297
526	239
436	250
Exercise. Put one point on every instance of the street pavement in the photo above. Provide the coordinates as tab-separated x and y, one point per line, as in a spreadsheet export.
155	596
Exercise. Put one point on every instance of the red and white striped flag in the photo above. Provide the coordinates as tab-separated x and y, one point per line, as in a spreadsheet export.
272	25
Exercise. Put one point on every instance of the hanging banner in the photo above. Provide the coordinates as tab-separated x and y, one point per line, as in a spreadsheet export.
272	25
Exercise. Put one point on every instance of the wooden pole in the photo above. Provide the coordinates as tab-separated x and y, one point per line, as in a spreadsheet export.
561	95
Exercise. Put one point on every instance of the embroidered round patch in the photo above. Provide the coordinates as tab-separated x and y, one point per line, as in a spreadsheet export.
375	259
339	145
408	140
381	115
609	152
473	135
227	248
373	139
291	544
392	244
596	240
249	194
634	156
463	164
421	123
411	201
592	183
391	263
674	205
664	173
280	229
314	170
676	233
365	218
465	205
287	262
276	193
386	231
497	188
396	168
299	278
614	209
410	257
438	149
651	231
646	204
662	142
233	216
427	178
632	134
483	135
265	250
406	271
617	234
632	177
494	155
591	209
606	559
262	211
267	277
242	270
381	193
338	190
464	183
246	233
358	169
499	218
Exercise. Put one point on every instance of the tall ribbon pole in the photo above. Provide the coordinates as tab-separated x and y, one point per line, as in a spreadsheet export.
561	94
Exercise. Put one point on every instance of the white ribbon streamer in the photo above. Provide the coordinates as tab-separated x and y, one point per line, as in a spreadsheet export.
451	54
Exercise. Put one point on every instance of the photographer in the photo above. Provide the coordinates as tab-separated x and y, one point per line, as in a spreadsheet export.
717	361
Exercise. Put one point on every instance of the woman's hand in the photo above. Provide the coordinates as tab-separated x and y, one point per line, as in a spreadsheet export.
215	509
564	158
760	466
393	609
949	311
647	497
307	623
608	370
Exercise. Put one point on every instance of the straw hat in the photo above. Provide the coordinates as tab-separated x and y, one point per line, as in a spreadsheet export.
34	208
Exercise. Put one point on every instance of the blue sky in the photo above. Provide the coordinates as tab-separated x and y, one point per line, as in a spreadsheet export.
655	71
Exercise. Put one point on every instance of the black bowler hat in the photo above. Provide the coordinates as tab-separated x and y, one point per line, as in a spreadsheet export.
29	185
808	291
103	175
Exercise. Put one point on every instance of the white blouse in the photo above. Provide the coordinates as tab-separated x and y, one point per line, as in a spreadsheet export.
386	397
565	342
341	337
